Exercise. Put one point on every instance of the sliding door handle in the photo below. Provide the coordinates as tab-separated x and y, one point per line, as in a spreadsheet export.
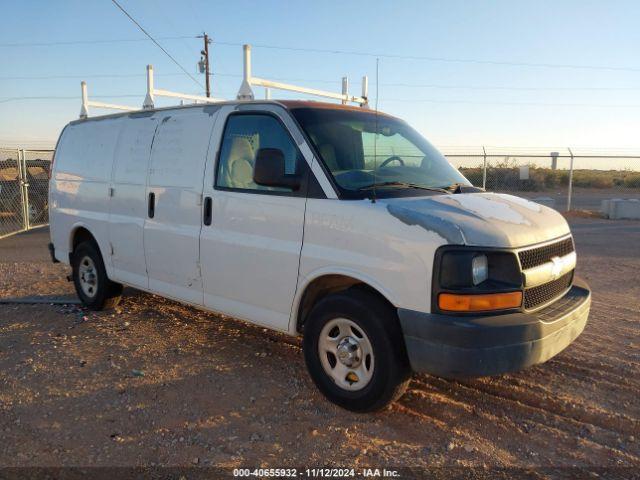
151	207
208	211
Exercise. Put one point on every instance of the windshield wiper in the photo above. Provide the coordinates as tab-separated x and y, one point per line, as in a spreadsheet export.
404	185
461	188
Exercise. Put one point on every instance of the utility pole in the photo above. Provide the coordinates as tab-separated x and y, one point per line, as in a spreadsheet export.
205	60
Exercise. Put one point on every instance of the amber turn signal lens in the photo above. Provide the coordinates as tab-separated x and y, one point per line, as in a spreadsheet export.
479	303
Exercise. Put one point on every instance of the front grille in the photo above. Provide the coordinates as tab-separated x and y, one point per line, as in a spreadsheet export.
540	255
567	303
536	296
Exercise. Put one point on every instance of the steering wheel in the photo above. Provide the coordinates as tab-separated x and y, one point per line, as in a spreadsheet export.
392	158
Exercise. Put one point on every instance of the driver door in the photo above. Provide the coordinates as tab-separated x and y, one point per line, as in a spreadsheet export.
250	252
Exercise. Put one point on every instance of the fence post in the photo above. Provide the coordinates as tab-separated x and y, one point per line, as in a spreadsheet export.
23	193
27	220
570	181
484	168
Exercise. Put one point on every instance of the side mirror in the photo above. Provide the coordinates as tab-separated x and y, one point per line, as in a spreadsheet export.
268	170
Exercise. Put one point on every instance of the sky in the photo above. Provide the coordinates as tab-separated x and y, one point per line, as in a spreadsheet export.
509	74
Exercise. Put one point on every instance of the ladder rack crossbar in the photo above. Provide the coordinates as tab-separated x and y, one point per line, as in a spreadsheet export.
261	82
185	96
248	81
112	106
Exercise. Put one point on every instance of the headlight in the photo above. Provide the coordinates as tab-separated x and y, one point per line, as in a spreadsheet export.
473	279
479	269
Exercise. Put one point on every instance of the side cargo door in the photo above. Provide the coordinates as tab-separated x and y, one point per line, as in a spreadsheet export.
128	204
174	202
250	248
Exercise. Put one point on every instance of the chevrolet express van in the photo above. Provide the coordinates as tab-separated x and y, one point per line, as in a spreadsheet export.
333	222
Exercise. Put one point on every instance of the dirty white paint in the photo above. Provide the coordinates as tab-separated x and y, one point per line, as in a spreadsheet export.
487	207
523	202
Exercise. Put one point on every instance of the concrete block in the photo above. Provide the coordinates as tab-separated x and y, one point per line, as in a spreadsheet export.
621	209
605	206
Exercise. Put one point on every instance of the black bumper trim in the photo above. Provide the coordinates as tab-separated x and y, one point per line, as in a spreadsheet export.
468	346
52	252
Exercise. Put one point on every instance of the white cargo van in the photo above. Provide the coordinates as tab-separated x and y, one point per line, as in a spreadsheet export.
321	220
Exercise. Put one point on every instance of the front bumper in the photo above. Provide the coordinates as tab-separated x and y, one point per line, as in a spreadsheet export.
473	346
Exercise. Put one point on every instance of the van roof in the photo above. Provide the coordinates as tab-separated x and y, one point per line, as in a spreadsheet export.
295	104
288	104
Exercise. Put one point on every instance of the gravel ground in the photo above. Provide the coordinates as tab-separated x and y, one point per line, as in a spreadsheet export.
156	383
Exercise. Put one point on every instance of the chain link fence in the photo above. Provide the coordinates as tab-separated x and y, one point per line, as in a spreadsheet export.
563	180
24	189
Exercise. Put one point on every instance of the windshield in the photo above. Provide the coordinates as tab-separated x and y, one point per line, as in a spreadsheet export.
396	157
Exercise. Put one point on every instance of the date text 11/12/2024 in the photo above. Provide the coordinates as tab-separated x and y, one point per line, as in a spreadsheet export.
316	472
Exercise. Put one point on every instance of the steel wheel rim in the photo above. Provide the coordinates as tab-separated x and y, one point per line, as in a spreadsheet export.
88	276
346	354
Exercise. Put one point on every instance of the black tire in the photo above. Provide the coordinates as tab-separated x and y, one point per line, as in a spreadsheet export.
106	294
378	320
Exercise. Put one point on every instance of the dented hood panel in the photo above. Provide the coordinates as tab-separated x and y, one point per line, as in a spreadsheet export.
481	219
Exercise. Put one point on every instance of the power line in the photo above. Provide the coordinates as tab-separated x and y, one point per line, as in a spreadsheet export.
438	59
87	42
156	42
504	87
536	104
338	52
133	75
103	75
63	97
317	80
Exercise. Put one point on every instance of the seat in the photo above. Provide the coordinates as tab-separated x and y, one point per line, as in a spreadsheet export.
328	154
238	172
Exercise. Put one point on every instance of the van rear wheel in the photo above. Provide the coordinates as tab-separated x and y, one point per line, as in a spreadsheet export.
90	278
354	350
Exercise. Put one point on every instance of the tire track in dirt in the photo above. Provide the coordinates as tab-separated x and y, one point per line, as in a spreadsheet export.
517	414
606	371
465	411
586	374
598	350
481	451
612	306
606	420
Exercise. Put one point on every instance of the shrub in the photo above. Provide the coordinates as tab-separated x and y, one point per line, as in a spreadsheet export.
474	175
592	179
504	175
632	180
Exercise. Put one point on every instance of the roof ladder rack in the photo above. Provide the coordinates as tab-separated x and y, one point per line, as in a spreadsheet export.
149	100
152	92
86	103
246	92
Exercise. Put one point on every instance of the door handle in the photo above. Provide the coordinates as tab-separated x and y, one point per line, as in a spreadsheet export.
151	208
208	211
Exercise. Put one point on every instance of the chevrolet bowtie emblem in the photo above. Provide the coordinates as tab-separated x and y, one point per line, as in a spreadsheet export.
556	269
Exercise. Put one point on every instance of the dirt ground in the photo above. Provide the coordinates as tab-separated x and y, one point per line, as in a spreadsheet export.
156	383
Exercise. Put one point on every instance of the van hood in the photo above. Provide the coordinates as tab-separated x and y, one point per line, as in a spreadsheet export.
481	219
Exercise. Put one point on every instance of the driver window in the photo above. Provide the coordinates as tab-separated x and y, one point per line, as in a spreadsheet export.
243	136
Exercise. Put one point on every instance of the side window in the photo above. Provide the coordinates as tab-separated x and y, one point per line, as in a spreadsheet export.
243	136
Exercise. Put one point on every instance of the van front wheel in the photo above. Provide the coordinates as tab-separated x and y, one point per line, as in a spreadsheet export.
354	350
90	278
